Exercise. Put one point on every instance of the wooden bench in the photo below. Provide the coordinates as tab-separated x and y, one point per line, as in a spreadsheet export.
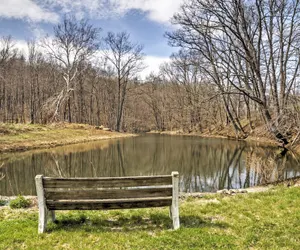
106	193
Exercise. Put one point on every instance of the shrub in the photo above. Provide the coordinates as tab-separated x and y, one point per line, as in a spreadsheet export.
2	203
19	202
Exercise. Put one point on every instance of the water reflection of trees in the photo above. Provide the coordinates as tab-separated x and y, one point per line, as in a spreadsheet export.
270	165
203	164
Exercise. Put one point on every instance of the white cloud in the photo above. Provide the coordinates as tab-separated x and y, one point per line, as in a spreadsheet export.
156	10
153	63
47	10
21	46
26	9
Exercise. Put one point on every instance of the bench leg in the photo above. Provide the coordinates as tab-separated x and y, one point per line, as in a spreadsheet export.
175	217
52	215
175	201
42	219
42	204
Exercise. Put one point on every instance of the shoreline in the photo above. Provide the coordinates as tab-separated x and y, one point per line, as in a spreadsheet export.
25	137
254	139
261	141
54	144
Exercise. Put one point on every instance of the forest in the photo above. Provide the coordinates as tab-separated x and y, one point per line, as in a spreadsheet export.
237	66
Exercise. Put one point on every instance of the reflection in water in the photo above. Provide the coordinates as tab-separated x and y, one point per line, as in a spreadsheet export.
204	164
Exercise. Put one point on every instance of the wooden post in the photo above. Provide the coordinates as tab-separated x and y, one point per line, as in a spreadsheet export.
41	203
175	201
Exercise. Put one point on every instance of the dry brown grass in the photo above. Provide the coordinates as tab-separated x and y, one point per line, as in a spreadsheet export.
21	137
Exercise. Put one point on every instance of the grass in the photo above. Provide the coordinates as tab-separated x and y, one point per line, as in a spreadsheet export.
269	220
19	202
20	137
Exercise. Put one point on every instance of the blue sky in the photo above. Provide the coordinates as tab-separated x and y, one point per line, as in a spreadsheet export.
145	20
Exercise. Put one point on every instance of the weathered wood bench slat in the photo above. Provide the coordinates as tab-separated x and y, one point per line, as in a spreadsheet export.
107	182
108	204
108	193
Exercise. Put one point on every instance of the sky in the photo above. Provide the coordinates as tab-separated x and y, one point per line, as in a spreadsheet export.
145	20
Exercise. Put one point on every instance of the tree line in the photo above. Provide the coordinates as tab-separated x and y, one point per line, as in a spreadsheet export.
238	65
249	50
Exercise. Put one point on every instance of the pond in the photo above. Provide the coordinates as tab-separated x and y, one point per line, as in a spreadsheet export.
204	164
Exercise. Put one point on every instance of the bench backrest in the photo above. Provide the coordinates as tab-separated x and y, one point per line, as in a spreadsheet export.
107	193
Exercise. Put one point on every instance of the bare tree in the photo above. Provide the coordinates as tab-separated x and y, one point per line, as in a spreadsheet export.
154	97
73	43
7	53
248	48
35	61
126	58
185	74
7	49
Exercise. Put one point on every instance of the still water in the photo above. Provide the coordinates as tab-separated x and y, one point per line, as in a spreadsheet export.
204	165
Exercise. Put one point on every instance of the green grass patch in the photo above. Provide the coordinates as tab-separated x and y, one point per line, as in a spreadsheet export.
19	202
269	220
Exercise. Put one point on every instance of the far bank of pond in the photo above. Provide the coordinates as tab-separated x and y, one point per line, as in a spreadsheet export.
263	140
24	137
204	164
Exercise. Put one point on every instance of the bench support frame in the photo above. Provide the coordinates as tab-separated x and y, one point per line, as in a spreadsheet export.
45	213
42	204
174	209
